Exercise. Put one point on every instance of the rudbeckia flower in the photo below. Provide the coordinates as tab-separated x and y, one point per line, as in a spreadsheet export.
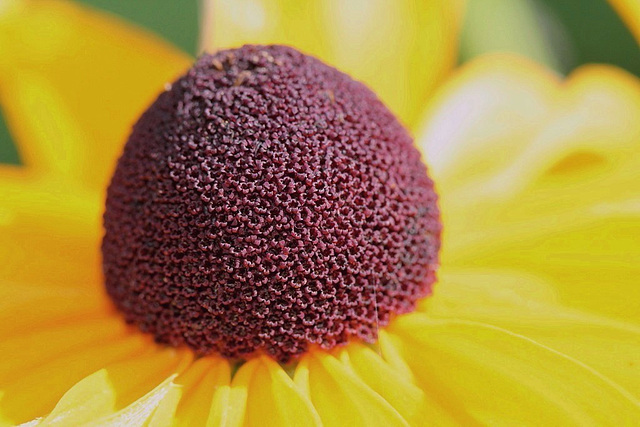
533	319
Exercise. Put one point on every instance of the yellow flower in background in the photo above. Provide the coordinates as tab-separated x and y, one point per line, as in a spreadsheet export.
534	319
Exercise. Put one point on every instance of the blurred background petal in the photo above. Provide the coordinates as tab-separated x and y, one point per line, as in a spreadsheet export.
73	81
402	49
630	12
543	177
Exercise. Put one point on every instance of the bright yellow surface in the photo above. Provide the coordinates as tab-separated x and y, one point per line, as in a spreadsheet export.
343	398
494	375
274	399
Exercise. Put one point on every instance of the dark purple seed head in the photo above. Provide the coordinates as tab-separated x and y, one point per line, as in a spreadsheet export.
267	202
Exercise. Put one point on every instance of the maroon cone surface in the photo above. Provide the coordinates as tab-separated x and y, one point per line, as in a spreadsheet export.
267	202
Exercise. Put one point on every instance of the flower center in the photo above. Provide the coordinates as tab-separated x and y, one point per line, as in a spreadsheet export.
267	202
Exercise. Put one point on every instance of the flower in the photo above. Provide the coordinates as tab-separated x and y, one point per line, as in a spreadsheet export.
266	202
534	317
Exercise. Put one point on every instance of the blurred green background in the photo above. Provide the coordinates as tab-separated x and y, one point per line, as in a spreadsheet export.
562	34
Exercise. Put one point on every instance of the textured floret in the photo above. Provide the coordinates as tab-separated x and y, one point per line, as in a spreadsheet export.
267	202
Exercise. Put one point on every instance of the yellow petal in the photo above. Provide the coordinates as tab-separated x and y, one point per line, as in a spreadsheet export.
49	235
527	305
393	357
592	257
33	347
143	411
24	309
590	131
482	116
93	400
93	397
301	376
137	375
401	49
340	397
163	415
405	397
562	201
75	79
230	401
199	384
34	392
629	10
274	400
500	377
